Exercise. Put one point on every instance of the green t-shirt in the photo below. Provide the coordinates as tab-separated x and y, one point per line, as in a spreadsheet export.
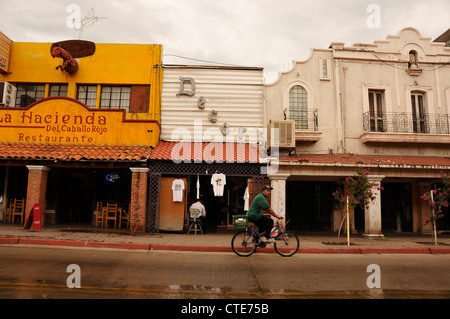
258	205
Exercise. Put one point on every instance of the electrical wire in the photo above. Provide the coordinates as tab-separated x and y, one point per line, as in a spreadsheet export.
399	68
183	57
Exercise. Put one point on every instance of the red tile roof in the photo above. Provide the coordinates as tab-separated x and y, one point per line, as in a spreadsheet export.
208	152
67	152
370	160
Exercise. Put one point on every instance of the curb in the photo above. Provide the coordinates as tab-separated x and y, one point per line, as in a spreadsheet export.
9	241
330	251
71	243
209	249
440	251
159	247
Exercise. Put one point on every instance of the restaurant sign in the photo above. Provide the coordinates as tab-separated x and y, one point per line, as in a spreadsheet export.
60	120
5	51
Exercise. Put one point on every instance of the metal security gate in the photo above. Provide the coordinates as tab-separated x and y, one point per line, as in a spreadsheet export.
158	169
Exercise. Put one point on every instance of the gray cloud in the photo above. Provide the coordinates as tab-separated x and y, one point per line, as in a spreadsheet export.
265	33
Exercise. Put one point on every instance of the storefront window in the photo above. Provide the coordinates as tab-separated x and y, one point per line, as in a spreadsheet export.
115	97
87	94
58	90
28	93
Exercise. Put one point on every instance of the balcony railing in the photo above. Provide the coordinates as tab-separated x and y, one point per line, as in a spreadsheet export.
306	120
307	126
427	123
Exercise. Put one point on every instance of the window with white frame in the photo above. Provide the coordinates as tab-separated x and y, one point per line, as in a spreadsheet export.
298	107
28	93
324	69
419	117
117	97
58	90
87	94
376	110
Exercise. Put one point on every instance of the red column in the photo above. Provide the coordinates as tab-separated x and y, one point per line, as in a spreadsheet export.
138	198
37	187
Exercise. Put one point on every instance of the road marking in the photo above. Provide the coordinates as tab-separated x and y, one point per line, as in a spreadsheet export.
224	294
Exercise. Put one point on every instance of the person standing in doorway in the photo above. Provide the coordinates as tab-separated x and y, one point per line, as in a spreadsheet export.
255	213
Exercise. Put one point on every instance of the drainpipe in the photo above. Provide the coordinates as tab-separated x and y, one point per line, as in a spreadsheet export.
340	136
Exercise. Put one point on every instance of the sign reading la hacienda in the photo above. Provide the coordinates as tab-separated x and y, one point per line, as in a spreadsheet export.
66	121
58	123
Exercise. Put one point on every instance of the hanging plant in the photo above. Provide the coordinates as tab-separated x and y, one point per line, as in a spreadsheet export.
357	191
437	198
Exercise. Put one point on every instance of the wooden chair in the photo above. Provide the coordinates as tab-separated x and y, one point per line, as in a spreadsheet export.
99	215
18	210
7	218
125	217
111	214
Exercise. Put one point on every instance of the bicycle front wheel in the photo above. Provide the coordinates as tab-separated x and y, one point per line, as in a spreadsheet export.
243	243
286	243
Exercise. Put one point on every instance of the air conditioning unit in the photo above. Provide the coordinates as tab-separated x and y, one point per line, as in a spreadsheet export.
7	94
286	133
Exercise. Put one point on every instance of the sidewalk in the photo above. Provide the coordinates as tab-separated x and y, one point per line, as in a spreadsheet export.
310	243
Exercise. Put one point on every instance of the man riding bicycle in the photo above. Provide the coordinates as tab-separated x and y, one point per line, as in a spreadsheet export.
255	213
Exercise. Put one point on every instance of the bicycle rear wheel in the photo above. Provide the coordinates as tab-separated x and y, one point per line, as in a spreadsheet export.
286	244
243	243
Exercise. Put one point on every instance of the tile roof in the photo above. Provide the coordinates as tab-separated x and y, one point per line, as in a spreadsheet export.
67	152
369	160
208	152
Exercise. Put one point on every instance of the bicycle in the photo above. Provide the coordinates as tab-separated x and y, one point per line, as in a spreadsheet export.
245	242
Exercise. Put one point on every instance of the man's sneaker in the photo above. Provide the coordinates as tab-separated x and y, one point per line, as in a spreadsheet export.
267	240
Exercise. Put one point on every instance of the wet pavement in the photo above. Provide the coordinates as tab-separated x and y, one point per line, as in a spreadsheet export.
219	241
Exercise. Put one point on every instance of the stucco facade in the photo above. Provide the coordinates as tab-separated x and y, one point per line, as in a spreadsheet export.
211	120
81	124
381	106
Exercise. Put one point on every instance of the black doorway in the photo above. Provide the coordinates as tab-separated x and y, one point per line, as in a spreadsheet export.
73	193
396	210
309	205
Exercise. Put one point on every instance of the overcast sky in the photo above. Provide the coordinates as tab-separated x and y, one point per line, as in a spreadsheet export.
263	33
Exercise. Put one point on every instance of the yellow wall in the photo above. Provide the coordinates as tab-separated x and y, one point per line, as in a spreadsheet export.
61	120
111	64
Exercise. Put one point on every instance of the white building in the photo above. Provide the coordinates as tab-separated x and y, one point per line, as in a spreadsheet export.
383	106
225	103
210	122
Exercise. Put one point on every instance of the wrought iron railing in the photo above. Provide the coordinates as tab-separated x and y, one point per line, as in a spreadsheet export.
427	123
305	120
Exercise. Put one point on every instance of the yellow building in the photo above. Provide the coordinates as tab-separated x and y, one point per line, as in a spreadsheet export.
78	121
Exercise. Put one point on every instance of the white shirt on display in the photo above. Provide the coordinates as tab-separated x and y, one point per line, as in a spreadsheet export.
177	190
218	182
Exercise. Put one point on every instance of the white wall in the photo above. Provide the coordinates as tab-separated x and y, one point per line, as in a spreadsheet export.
236	94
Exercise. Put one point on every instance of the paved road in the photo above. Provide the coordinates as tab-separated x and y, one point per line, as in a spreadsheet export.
41	272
